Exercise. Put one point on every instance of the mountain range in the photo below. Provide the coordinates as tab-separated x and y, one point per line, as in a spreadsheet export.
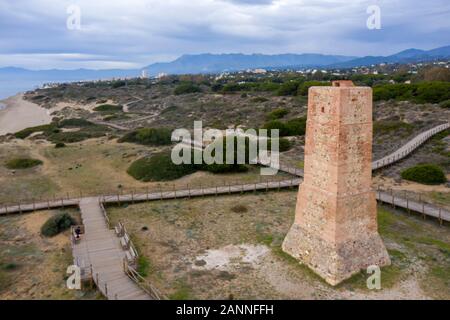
215	63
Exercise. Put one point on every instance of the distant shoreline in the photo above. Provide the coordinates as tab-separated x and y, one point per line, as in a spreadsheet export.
20	114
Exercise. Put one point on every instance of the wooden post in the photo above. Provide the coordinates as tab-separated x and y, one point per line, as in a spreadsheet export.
118	199
20	210
174	191
48	204
132	196
407	205
393	200
34	205
440	216
423	210
147	193
106	289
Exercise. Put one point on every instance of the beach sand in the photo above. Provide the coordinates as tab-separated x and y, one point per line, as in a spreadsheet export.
20	114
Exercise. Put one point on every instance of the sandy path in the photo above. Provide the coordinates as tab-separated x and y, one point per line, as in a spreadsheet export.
20	114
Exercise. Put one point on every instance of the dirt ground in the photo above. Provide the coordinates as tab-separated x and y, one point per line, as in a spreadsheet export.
230	247
32	266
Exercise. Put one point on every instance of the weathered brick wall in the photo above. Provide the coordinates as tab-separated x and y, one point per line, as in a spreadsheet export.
335	227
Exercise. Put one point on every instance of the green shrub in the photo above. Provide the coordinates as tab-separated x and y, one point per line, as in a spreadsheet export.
296	127
422	92
304	87
231	87
46	128
260	99
108	108
293	127
277	114
239	208
186	88
216	87
23	163
52	132
149	136
445	104
57	224
117	116
277	125
77	136
158	167
288	89
118	84
75	123
59	145
9	266
284	144
425	174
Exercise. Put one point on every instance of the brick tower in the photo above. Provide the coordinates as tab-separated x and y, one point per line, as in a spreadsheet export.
335	228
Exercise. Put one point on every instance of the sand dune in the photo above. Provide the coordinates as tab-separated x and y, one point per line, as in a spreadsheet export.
20	114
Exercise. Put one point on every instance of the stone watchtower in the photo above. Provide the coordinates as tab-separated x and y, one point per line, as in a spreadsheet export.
335	228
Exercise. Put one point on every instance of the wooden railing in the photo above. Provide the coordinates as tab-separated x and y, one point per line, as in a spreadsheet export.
129	267
143	283
105	214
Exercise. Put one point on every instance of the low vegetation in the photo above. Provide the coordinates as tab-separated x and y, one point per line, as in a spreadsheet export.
293	127
277	114
422	92
387	127
185	88
425	174
108	108
149	136
57	224
53	132
158	167
22	163
60	145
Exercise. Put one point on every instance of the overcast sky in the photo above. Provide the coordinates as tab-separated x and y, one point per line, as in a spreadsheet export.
135	33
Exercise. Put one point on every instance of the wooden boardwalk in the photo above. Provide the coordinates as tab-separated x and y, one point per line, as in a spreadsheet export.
409	147
100	252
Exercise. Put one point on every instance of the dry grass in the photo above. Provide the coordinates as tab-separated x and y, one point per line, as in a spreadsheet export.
96	166
31	266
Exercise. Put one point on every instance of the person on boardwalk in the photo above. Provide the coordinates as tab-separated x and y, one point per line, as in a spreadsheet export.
78	232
